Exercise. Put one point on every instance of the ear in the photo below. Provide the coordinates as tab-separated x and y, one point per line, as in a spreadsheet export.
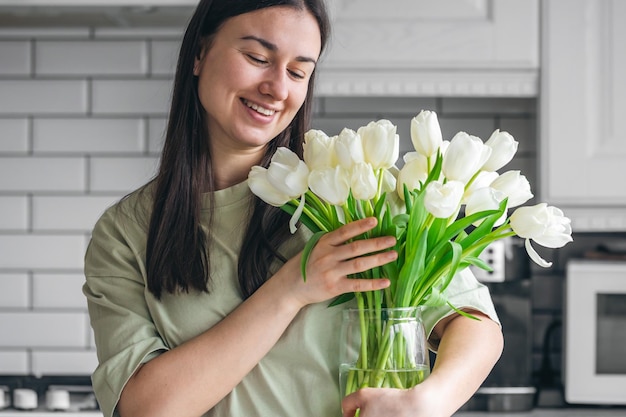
196	66
197	62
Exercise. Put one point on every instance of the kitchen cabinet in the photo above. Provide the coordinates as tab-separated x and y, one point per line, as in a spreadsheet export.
432	48
99	3
583	102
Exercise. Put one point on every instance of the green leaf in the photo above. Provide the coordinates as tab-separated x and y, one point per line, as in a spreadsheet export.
435	173
436	231
304	219
380	204
436	298
408	200
340	299
401	220
478	262
463	313
486	226
412	271
457	251
306	253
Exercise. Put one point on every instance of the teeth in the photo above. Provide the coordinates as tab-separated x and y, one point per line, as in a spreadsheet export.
259	109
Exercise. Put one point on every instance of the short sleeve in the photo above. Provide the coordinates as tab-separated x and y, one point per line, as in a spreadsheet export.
463	292
115	289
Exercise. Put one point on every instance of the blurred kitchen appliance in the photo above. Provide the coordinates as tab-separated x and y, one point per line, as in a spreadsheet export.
508	260
509	386
595	332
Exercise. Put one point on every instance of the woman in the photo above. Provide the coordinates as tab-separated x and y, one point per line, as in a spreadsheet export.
194	288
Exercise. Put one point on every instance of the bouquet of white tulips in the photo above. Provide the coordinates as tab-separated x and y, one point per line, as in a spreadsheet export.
445	206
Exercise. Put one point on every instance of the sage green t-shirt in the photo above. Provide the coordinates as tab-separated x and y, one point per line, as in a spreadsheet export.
297	377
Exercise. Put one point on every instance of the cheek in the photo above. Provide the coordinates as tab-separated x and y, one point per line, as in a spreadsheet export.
297	97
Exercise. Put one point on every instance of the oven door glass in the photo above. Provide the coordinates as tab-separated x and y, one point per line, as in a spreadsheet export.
595	333
611	334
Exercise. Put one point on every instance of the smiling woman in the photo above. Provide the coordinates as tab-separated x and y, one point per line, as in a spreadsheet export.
194	286
253	77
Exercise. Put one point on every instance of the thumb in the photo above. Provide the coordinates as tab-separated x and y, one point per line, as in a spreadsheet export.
351	403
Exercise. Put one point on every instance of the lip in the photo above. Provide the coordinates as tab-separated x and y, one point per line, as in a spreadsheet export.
249	103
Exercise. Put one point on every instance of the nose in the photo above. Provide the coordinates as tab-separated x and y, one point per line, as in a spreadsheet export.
276	84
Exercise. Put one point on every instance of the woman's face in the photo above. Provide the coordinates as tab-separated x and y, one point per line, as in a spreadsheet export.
253	77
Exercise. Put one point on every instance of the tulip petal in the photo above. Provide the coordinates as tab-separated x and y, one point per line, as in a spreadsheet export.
535	256
296	216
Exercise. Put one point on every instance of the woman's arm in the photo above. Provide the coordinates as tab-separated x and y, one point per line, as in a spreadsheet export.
467	352
181	381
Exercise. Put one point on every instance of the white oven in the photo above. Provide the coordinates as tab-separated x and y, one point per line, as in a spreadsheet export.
595	332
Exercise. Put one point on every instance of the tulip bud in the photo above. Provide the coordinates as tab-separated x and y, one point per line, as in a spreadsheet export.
544	224
363	182
318	150
443	200
426	133
482	199
349	148
464	157
483	179
287	173
381	144
503	149
331	184
414	173
260	186
515	186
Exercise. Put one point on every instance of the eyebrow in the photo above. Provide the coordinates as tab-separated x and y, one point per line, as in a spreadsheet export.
272	47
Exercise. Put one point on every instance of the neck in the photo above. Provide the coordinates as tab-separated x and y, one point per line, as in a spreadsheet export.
233	169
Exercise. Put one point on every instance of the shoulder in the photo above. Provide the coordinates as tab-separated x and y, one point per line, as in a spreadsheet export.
132	212
120	235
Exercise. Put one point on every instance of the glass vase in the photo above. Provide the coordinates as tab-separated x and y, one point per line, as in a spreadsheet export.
383	347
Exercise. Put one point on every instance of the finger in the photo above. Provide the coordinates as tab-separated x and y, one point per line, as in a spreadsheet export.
351	403
362	285
363	247
351	230
362	263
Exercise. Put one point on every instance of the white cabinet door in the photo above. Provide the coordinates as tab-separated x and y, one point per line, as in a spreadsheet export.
433	47
583	110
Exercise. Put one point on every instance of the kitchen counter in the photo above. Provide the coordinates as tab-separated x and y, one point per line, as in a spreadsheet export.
14	413
539	412
551	412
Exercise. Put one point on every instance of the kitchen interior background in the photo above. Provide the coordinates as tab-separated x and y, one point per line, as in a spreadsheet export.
82	116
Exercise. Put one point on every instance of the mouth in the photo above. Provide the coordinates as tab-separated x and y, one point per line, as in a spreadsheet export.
259	109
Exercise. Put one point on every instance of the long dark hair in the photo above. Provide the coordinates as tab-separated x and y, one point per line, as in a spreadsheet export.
177	248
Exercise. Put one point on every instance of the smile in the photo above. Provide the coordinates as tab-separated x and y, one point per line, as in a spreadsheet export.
259	109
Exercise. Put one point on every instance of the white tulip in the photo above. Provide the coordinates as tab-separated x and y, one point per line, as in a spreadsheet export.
389	180
464	157
426	133
363	181
318	150
288	173
544	224
331	184
482	199
260	186
503	148
381	144
515	186
349	148
413	174
443	200
483	179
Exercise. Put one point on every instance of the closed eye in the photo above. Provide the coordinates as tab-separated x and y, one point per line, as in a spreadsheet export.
295	74
256	59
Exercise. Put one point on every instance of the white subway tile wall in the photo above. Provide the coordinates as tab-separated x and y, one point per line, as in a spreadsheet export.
82	120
